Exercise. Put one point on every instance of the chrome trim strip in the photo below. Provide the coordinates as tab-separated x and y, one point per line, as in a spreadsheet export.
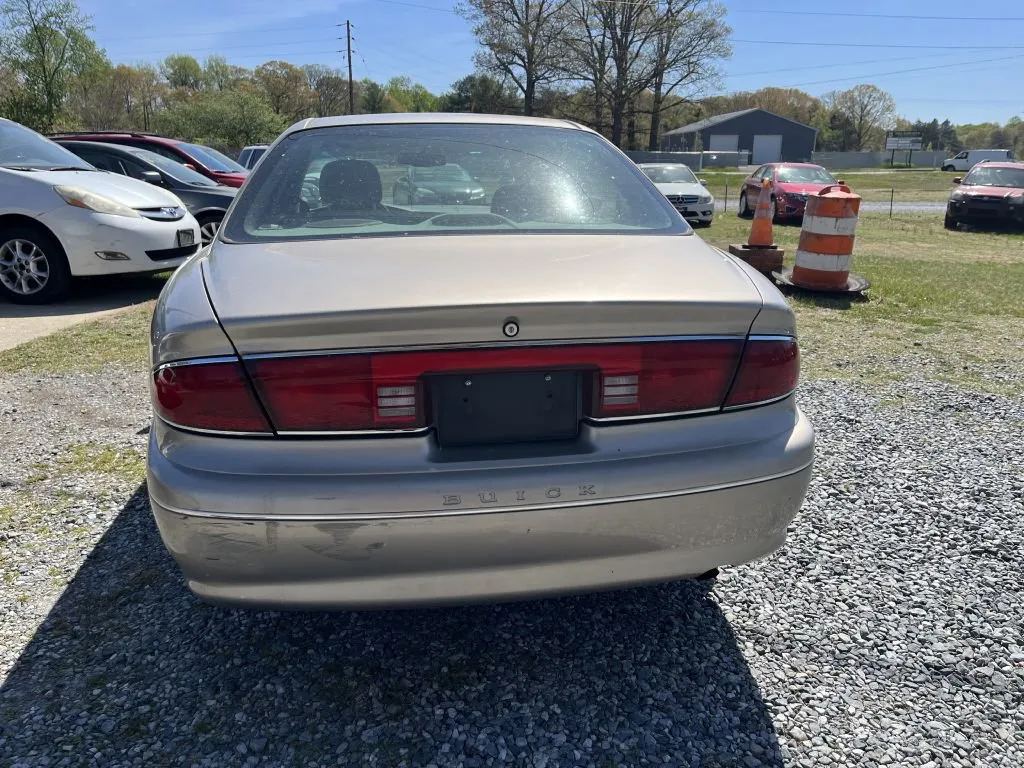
214	432
649	416
769	337
377	517
769	401
196	361
496	344
358	433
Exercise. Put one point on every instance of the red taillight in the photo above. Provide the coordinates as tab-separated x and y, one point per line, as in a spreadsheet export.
334	394
666	377
212	396
768	370
391	391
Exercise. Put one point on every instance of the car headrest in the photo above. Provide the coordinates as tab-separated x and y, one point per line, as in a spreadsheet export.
350	184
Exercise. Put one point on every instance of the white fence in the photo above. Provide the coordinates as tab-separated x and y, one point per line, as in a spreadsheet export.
919	158
696	160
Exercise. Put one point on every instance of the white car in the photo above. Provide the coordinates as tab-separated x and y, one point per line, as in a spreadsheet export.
62	218
971	157
684	190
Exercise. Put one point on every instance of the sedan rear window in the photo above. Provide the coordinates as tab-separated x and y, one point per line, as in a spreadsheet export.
438	178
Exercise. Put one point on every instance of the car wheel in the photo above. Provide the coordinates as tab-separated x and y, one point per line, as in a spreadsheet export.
744	211
948	168
950	223
209	225
773	210
33	266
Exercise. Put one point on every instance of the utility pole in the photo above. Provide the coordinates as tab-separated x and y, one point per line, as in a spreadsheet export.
348	51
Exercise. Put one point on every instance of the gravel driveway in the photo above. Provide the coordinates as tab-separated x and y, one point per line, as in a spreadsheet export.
888	631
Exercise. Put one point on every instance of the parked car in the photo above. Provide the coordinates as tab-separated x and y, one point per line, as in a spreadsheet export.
205	199
437	184
967	159
359	404
683	189
61	218
250	155
790	184
206	160
991	194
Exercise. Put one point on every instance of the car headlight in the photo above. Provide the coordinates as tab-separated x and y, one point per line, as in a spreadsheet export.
705	199
1017	200
90	201
957	197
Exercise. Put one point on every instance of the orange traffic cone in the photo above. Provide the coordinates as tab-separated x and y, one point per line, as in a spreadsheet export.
760	250
761	228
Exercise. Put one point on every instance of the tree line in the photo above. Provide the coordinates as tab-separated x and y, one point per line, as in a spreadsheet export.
631	70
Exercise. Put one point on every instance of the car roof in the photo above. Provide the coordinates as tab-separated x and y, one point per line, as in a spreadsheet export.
795	165
464	118
662	165
100	135
1017	164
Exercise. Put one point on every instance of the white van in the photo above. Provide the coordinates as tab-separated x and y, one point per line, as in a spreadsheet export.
971	157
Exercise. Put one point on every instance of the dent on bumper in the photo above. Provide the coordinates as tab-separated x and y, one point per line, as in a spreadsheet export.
664	504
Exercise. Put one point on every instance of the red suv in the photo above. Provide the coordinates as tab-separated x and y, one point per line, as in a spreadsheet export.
205	160
790	185
990	194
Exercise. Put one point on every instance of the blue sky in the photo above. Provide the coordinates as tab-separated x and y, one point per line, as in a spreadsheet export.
966	67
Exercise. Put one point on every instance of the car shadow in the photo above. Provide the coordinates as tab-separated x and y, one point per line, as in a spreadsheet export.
94	294
129	664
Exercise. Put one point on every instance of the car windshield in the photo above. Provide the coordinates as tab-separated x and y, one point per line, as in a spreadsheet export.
448	172
171	168
352	181
804	174
996	177
212	159
24	149
669	174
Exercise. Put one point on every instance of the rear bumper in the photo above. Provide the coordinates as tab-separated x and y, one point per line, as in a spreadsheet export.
528	529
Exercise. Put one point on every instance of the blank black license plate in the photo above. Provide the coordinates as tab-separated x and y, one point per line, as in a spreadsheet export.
186	237
489	408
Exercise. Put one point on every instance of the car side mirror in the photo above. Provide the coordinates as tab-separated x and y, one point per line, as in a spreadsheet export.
190	166
841	181
958	180
153	177
703	181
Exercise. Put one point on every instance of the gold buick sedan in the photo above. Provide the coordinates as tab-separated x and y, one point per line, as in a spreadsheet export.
550	387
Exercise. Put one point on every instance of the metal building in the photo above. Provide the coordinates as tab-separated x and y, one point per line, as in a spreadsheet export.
768	137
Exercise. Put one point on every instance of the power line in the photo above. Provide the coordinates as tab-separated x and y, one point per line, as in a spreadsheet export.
944	47
915	17
905	71
215	49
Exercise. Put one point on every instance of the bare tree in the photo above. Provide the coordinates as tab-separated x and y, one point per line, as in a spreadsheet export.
330	88
869	110
690	40
523	40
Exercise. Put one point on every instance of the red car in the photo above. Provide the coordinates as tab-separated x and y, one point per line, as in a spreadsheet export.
205	160
991	194
790	185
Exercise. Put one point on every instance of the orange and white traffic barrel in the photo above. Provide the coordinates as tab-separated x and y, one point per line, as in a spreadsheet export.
823	256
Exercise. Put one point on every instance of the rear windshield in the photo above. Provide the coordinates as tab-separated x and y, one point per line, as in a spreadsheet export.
996	177
381	180
805	175
211	158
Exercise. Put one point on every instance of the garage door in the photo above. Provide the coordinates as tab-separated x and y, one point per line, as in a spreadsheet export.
767	149
723	142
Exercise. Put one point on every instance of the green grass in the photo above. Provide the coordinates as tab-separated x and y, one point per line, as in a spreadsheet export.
120	339
127	464
952	300
910	186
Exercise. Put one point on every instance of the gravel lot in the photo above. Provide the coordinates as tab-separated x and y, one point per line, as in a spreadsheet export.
887	632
